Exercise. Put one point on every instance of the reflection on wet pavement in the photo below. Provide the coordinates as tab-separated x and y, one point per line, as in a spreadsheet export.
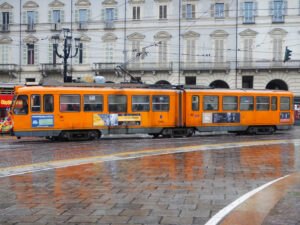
182	188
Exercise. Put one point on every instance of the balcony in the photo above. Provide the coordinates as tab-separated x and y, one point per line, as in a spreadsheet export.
134	67
109	25
205	66
150	66
82	26
269	66
9	69
5	28
30	27
105	67
56	26
50	68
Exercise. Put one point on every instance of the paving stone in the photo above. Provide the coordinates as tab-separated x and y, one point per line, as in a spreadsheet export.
83	219
114	219
135	212
176	220
145	219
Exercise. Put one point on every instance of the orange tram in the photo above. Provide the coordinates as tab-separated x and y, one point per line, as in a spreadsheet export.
86	111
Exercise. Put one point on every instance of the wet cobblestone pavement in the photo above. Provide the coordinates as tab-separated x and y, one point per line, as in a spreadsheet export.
169	188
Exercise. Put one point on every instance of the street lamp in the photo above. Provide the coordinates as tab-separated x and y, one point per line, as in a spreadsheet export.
66	50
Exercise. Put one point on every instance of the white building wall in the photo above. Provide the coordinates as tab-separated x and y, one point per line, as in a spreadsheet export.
150	26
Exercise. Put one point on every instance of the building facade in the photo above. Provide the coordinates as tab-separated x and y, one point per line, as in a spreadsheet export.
221	43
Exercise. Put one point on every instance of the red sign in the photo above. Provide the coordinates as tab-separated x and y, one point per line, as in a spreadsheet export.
5	101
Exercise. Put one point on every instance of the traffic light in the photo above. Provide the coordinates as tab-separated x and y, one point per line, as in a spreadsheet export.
287	55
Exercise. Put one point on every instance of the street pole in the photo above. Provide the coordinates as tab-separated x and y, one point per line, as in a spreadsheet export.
66	51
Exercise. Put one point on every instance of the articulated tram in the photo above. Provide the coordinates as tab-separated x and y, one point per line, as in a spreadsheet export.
87	111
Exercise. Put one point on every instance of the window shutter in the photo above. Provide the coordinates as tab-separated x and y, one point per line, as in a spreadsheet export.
285	7
212	10
193	11
24	56
76	59
138	13
49	16
165	12
36	54
11	17
245	50
255	5
36	17
242	11
1	18
216	50
226	10
279	49
299	7
50	53
116	13
24	17
275	49
250	49
184	12
222	50
84	53
89	14
271	4
76	15
103	14
62	16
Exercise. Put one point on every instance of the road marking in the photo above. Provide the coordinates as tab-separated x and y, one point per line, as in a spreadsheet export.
221	214
255	205
35	167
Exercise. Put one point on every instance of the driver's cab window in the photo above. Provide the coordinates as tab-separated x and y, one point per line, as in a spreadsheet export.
35	103
21	105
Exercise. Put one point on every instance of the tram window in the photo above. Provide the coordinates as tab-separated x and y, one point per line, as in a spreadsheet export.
69	103
195	103
273	103
230	103
48	103
93	103
211	103
117	103
35	101
160	102
21	105
284	103
246	103
262	103
140	103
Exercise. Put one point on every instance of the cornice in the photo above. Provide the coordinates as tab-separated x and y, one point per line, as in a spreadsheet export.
6	6
109	37
56	4
136	36
30	5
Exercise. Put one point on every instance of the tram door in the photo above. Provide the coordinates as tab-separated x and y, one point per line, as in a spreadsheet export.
193	113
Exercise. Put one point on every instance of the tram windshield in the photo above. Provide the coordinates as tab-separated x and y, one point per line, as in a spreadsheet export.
20	105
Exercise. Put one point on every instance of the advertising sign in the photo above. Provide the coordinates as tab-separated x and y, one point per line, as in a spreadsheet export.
42	121
5	101
226	117
116	119
285	117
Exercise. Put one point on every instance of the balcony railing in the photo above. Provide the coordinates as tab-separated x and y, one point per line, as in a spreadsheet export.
82	26
56	26
109	25
9	69
163	66
30	27
50	68
269	65
110	67
205	66
5	28
105	67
